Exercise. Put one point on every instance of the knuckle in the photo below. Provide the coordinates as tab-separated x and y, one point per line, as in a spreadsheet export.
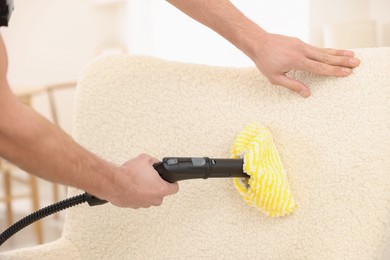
326	56
158	202
299	45
143	156
296	40
293	86
342	71
346	61
321	67
326	59
164	190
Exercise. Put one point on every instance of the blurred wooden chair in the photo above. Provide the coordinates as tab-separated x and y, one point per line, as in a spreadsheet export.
8	170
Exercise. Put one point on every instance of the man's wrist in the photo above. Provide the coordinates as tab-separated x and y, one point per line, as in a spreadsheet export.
251	40
100	177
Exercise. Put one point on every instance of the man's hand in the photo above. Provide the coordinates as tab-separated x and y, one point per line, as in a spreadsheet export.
274	55
277	54
140	185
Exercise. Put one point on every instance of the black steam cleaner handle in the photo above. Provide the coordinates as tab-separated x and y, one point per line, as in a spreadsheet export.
173	169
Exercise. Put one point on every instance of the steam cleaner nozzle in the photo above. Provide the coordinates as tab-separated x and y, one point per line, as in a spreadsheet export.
173	169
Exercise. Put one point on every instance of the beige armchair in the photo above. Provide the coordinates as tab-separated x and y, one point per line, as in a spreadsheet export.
335	147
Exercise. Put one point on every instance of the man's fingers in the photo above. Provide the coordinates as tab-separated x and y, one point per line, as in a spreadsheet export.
333	57
172	188
325	69
148	158
293	85
334	52
328	62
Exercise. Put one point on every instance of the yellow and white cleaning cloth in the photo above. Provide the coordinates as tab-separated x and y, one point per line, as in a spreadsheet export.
267	188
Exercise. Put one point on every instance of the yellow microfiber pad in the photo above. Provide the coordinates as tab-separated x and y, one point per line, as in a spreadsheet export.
267	187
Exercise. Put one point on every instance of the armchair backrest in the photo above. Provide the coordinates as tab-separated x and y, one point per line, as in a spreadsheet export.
335	147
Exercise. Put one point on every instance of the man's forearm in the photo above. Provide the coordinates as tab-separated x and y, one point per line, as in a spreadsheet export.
39	147
225	19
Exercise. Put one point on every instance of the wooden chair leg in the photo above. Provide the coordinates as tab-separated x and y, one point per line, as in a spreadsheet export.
35	206
56	197
8	197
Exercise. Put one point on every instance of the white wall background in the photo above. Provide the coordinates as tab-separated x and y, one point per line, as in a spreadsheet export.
380	12
159	29
49	41
332	11
335	12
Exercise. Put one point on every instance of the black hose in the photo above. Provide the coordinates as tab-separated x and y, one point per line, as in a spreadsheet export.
42	213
